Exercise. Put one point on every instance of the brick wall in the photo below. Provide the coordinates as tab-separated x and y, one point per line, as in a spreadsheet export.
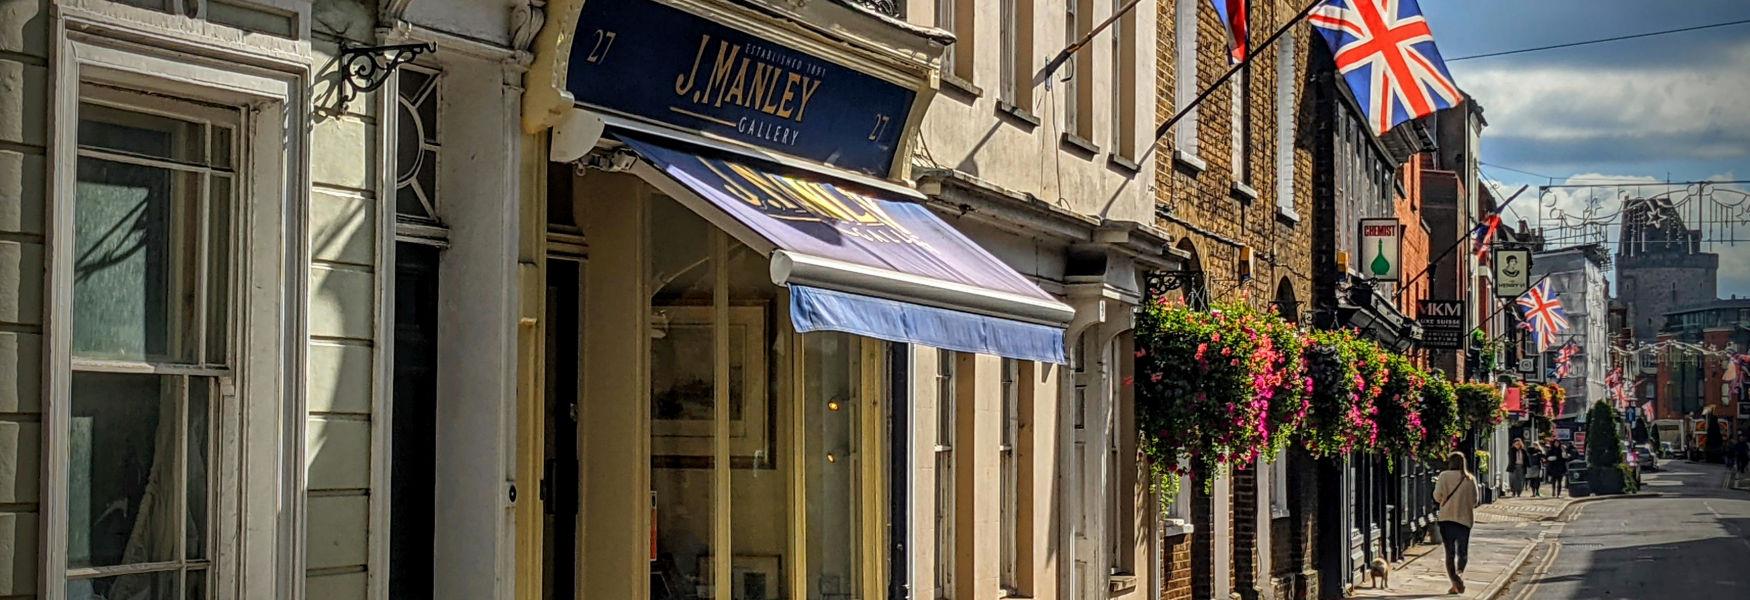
1245	523
1202	207
1178	568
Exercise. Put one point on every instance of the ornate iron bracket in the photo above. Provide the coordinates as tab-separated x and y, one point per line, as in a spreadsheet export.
366	68
1192	284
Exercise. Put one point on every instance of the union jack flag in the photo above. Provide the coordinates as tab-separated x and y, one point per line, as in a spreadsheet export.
1564	359
1386	52
1543	312
1233	17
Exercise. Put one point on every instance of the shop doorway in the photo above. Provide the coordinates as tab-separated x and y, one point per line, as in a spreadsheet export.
559	480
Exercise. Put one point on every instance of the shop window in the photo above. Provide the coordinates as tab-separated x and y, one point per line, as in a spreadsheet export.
767	447
417	145
413	423
152	308
1120	490
944	505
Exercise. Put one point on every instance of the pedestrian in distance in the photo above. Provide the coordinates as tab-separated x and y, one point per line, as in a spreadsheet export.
1455	490
1516	467
1741	453
1534	469
1557	469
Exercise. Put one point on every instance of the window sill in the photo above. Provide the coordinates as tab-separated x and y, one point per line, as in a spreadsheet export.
1243	192
1189	163
1122	162
1277	512
1287	216
1017	113
1079	144
1177	527
954	83
1122	582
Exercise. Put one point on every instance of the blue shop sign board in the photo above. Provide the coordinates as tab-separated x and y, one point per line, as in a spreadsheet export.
661	63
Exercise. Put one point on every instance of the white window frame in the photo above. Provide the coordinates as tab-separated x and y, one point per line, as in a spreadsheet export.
946	498
1072	68
1185	142
1279	487
256	505
1009	35
1286	68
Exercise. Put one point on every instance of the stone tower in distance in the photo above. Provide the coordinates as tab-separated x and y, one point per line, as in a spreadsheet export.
1660	265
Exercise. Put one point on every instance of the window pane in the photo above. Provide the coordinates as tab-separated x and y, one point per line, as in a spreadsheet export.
122	470
132	269
219	253
683	440
138	586
200	393
759	499
221	155
831	406
131	132
196	585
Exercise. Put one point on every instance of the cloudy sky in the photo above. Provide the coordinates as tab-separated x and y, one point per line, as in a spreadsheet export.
1644	111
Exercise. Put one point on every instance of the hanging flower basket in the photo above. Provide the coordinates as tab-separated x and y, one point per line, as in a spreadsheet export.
1479	406
1204	384
1440	417
1340	408
1400	424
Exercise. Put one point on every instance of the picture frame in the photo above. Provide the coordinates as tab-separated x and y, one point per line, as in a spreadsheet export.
682	401
752	577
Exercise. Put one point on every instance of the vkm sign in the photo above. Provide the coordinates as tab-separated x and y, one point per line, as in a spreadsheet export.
661	63
1442	323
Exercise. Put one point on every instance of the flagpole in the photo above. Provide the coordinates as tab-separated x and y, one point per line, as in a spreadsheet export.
1063	55
1467	236
1251	53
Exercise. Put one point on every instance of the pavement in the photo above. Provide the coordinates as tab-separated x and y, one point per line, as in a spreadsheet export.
1505	533
1687	537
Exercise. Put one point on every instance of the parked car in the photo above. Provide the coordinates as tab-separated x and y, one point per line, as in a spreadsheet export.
1645	458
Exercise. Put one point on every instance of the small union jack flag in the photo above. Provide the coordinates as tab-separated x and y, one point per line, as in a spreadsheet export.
1543	312
1564	359
1386	53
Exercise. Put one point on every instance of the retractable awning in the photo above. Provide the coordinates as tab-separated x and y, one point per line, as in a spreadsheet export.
861	261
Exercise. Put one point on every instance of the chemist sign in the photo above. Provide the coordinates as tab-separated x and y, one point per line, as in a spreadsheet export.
1381	248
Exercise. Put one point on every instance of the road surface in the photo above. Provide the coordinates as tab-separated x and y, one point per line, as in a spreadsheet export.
1690	543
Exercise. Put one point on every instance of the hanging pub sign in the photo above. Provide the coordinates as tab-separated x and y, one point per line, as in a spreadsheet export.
1381	246
1512	272
664	64
1442	323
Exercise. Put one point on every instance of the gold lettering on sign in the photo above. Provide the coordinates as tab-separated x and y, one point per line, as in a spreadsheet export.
751	77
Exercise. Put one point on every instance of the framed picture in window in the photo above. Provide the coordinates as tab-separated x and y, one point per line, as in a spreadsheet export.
682	392
752	577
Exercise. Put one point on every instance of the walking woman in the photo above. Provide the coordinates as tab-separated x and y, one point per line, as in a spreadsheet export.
1557	469
1534	469
1516	467
1456	493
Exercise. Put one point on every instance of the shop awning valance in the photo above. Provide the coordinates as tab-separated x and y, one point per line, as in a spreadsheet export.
861	261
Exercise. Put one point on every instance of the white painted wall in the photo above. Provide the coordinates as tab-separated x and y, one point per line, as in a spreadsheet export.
966	133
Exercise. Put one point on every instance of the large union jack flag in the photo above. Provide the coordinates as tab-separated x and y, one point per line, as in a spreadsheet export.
1386	52
1543	313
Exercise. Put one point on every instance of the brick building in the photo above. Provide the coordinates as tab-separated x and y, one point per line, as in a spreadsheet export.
1697	383
1234	183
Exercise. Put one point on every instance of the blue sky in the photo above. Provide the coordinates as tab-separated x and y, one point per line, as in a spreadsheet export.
1645	110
